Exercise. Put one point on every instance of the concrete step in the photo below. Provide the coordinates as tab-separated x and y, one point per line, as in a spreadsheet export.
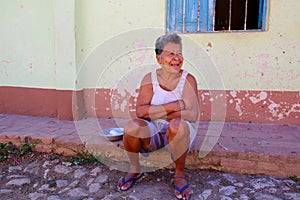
246	148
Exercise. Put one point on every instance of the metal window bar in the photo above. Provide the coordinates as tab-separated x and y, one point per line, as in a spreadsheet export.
198	17
214	18
246	15
230	13
214	13
183	16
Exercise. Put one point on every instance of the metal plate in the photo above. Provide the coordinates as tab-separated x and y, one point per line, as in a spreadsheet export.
114	134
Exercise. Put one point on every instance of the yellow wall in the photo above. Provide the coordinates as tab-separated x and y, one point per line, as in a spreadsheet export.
260	60
27	43
38	46
242	61
37	43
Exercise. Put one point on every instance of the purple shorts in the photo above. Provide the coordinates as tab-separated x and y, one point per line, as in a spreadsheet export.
158	129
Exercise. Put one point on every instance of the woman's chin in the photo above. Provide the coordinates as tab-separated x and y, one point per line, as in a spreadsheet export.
175	69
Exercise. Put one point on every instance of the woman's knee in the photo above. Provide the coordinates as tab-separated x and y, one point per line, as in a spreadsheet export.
134	127
178	127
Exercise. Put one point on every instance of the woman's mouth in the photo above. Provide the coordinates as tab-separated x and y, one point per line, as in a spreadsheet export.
174	64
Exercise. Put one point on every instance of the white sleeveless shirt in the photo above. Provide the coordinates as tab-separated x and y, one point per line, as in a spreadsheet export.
161	96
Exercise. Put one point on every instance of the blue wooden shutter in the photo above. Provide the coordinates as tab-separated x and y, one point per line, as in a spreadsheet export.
174	15
262	14
191	16
175	10
210	14
175	19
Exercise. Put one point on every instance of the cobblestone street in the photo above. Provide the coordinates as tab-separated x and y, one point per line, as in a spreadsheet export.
268	151
51	177
150	100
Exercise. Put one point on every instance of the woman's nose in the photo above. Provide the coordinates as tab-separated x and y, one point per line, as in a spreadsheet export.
177	56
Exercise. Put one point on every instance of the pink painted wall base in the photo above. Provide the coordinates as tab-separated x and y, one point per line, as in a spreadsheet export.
272	107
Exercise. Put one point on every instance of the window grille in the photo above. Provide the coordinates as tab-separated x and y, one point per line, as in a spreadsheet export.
191	16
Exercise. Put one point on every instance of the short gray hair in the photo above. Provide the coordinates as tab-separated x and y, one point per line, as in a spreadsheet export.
164	39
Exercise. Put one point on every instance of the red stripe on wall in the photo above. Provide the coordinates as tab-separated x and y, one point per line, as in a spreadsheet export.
274	107
40	102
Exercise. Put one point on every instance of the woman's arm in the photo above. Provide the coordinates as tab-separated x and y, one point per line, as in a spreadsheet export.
191	103
151	112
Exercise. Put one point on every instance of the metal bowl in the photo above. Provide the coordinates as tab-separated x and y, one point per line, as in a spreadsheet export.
114	134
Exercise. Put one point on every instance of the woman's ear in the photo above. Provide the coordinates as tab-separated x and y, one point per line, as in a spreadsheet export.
158	58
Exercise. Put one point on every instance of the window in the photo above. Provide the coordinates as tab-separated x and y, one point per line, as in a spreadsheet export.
192	16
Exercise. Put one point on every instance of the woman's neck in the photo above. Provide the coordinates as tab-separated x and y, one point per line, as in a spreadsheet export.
167	75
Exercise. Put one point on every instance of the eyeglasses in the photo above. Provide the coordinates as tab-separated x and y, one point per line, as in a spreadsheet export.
173	55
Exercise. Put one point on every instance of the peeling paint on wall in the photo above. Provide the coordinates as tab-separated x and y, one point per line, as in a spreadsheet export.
233	93
238	106
277	108
259	97
260	70
270	105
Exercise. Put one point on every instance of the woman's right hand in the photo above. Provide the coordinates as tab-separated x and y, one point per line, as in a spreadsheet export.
176	106
181	105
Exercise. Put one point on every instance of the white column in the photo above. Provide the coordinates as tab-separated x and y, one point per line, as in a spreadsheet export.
65	43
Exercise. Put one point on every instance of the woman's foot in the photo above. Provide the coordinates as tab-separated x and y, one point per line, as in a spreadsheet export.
182	190
127	181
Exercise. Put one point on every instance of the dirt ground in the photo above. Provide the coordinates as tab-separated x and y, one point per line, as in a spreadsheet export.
98	181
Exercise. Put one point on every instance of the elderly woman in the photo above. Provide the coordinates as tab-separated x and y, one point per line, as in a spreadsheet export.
167	107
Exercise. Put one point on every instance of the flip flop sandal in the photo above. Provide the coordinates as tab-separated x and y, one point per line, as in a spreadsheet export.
180	190
132	180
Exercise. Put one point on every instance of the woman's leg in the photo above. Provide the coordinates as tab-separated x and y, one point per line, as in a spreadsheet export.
136	136
178	136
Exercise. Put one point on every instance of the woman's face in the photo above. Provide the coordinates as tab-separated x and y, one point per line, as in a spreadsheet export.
171	57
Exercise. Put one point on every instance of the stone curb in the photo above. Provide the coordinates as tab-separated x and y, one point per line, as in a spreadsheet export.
231	162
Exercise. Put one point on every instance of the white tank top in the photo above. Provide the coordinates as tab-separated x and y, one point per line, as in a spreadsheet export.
161	96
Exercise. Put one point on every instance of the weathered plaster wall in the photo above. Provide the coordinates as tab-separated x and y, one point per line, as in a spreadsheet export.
257	74
246	61
37	57
37	43
27	43
33	35
261	71
107	46
260	60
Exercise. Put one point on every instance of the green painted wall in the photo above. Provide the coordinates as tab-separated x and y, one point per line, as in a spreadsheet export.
44	44
37	43
260	60
242	61
27	43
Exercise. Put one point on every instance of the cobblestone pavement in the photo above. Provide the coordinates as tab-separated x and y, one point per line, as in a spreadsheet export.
52	177
250	148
